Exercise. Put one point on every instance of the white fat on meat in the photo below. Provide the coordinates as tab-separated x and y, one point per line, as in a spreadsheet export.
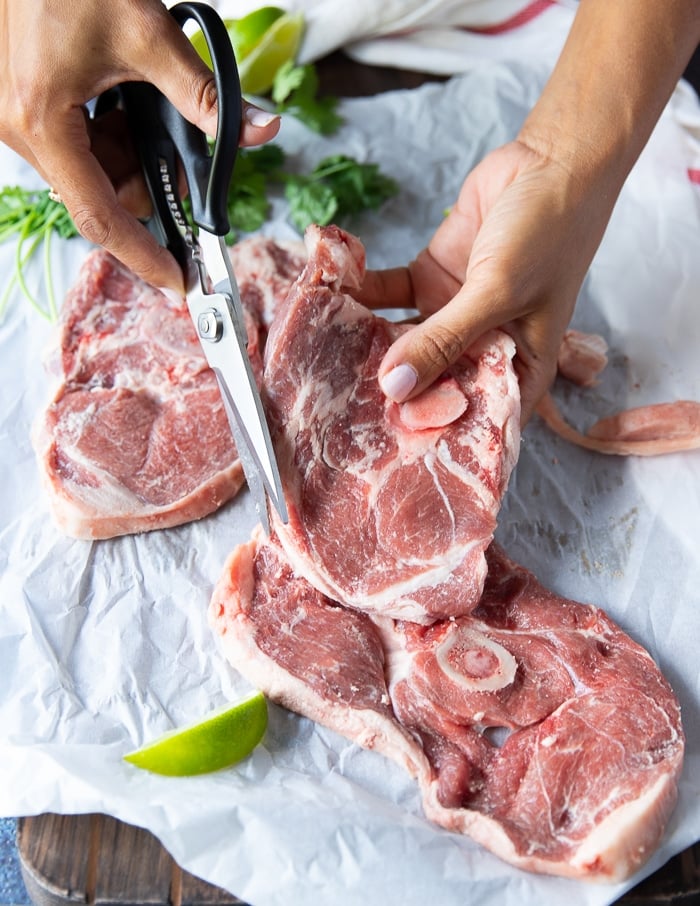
582	357
265	269
391	506
643	431
652	430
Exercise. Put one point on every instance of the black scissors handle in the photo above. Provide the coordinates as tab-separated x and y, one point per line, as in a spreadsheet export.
162	136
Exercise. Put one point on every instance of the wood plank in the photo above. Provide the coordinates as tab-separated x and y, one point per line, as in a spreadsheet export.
677	883
54	856
96	859
130	866
196	892
100	861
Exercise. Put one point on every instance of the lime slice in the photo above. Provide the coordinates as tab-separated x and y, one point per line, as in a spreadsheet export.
245	33
224	737
278	45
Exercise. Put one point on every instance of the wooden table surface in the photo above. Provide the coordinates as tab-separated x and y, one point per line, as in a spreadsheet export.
96	859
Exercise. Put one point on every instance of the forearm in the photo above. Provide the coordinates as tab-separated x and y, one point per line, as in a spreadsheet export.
615	75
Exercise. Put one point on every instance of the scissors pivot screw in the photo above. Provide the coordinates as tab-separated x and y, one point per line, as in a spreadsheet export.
210	325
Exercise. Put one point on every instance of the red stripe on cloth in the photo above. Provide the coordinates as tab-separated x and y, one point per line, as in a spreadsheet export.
694	175
524	16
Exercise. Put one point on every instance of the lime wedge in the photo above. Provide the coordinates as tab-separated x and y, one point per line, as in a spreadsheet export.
245	33
278	45
223	738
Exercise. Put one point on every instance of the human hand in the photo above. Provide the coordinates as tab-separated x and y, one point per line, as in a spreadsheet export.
515	248
56	56
512	253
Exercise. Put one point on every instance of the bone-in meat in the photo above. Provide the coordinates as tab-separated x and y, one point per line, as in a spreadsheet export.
534	725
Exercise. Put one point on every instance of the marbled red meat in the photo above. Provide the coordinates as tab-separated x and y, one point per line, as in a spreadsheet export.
306	652
136	436
265	269
390	506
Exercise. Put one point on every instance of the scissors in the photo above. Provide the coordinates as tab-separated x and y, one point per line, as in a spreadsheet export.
162	137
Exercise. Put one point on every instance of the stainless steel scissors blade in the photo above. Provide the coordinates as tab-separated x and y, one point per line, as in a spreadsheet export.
218	318
165	138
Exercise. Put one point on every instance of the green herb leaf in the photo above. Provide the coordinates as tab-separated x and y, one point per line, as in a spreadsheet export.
310	202
31	217
357	186
336	188
266	159
247	201
288	78
295	91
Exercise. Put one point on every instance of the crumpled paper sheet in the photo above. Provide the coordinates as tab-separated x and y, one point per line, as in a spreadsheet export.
104	645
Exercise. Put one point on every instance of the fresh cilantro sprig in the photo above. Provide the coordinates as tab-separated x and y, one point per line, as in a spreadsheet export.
334	190
248	203
295	91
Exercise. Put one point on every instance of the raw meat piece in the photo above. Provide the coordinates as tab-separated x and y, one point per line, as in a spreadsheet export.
643	431
584	782
587	777
306	652
668	422
136	436
582	356
390	506
265	269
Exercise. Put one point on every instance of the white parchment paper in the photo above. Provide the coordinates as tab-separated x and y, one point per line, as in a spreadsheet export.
105	645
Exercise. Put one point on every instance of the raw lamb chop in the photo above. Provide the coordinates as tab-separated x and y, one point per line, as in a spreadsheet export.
390	506
136	436
584	782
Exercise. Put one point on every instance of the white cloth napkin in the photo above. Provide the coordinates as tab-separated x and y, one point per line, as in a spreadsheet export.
437	36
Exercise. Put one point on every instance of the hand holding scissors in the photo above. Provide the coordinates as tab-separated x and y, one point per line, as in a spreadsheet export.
165	140
93	46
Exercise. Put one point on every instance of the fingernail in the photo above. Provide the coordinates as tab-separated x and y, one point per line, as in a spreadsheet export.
174	297
398	383
258	117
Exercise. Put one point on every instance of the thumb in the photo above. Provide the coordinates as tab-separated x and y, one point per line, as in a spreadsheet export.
419	356
190	86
